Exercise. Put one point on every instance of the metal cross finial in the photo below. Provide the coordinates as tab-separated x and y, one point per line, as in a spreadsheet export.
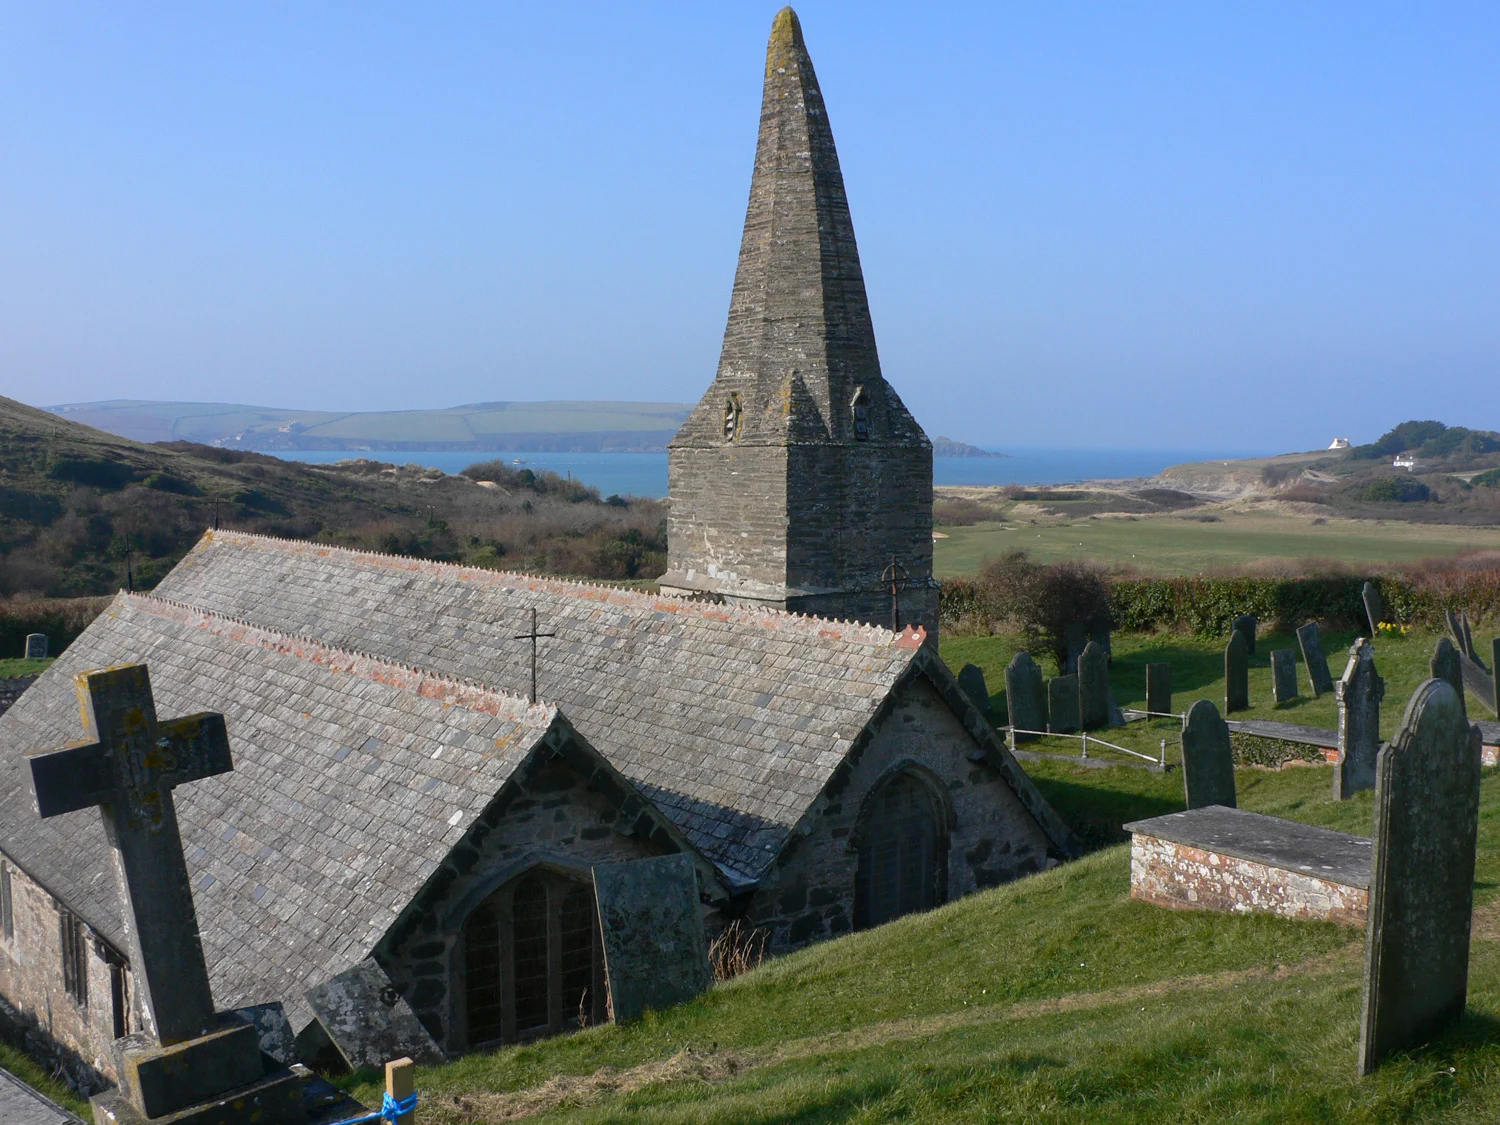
129	771
895	578
533	636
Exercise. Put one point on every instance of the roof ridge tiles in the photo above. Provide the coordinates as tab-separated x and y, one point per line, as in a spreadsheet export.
764	616
459	691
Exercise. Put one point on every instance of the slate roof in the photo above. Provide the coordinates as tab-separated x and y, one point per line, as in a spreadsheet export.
353	779
730	719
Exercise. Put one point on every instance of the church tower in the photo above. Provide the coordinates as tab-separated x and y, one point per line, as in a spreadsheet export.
800	481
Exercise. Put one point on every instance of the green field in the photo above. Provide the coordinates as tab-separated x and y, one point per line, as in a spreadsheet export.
1168	544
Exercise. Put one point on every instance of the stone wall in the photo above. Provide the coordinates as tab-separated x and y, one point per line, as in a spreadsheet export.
72	1039
555	813
1184	877
991	838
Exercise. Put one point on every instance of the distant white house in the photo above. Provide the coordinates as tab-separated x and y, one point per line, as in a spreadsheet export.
1339	443
1405	461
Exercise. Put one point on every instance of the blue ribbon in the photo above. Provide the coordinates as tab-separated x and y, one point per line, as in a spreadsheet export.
390	1109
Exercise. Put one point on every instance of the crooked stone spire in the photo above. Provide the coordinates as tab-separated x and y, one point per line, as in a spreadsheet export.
800	476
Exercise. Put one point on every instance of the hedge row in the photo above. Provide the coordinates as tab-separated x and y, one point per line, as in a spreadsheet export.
61	619
1206	606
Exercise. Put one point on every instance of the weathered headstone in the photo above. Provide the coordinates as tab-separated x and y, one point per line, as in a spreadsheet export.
1446	665
1236	674
971	681
655	952
1422	876
1469	650
1374	610
1207	759
1495	668
1062	705
1245	625
1075	637
1093	687
1100	636
36	646
1283	675
1359	693
1159	689
1312	655
368	1019
1025	698
187	1055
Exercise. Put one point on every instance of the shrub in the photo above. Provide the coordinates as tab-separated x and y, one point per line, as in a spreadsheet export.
1046	602
1487	479
94	472
1402	490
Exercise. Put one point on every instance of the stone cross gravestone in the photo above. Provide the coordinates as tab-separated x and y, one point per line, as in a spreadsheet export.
188	1059
1374	610
1207	759
1445	665
1159	689
1024	697
1062	705
36	646
1245	625
1093	687
1359	693
1283	675
655	952
1421	876
1236	674
1318	674
971	681
368	1019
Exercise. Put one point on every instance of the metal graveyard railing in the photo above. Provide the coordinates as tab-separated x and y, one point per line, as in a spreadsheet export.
1085	738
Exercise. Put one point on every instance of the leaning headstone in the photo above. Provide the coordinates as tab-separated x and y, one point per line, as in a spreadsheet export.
1312	655
1283	675
36	646
1207	760
1159	689
1359	693
655	952
1245	625
1025	698
368	1019
1374	610
971	681
1093	687
1236	674
1455	629
1421	876
1469	651
1062	705
1446	665
1075	637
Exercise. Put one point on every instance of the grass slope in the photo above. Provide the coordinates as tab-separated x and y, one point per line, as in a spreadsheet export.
1054	999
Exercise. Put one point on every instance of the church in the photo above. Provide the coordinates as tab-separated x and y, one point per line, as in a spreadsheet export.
422	782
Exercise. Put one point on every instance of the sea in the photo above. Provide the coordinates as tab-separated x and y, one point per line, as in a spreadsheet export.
645	474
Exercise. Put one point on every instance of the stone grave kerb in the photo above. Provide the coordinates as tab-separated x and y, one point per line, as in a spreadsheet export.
1359	693
1421	876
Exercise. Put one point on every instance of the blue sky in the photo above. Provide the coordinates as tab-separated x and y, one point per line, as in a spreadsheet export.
1243	226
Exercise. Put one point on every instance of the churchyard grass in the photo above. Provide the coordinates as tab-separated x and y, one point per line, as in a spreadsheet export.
26	1068
20	666
1180	544
1053	999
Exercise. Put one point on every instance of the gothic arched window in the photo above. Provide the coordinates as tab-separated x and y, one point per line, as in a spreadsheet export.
860	407
732	418
900	853
533	962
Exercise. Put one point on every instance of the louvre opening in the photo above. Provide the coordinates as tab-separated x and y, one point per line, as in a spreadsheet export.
900	854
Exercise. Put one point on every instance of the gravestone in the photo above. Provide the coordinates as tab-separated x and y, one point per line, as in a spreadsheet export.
1075	637
188	1059
1469	651
1236	674
1207	760
1359	691
1093	688
655	952
1312	655
1101	637
1245	625
1024	697
1446	665
1374	610
368	1020
1421	877
1062	705
1495	668
971	681
1283	675
36	646
1159	689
